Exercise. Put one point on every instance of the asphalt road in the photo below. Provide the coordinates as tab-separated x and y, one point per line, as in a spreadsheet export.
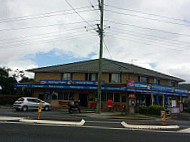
37	133
95	129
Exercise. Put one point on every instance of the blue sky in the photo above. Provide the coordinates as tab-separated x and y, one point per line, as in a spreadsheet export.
151	34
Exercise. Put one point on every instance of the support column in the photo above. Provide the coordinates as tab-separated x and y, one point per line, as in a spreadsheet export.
157	99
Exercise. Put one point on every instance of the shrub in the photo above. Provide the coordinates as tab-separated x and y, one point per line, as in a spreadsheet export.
155	109
142	109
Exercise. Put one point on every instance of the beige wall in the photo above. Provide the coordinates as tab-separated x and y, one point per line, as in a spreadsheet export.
105	77
47	76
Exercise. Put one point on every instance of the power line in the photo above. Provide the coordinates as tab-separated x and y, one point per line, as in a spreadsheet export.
21	37
43	15
107	49
146	28
151	38
42	26
8	42
137	11
149	35
48	40
77	12
145	43
149	18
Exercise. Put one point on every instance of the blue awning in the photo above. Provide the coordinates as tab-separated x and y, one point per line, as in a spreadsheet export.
95	88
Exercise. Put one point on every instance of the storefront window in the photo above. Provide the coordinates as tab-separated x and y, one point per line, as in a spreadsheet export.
60	96
67	76
140	100
103	97
124	99
71	96
110	96
116	97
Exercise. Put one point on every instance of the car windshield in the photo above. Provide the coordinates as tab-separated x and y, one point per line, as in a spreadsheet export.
20	99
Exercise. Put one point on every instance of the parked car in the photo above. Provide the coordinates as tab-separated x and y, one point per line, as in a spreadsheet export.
30	103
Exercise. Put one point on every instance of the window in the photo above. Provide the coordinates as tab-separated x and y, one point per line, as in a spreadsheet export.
115	78
143	79
109	96
116	97
156	81
66	96
60	96
124	99
103	97
91	76
171	83
66	76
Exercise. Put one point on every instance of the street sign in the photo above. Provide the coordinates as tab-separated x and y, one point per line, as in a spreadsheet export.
163	116
40	109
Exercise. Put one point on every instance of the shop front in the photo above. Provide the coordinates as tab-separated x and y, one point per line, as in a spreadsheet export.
60	93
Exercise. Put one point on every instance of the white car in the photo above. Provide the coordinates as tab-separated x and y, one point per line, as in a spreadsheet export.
30	103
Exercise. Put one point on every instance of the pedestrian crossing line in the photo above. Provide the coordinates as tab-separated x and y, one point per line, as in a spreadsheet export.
111	122
185	130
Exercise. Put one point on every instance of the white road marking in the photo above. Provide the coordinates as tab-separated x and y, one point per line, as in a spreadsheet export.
104	122
185	130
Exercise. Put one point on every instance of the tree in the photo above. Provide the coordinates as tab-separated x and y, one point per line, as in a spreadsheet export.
6	82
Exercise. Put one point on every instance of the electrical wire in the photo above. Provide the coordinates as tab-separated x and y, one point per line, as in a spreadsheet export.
145	43
46	41
51	25
149	35
151	14
43	15
107	49
146	28
149	18
152	38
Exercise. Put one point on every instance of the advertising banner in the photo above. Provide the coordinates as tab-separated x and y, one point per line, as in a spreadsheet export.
70	82
147	86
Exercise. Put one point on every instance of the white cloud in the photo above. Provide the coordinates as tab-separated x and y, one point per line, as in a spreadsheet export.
167	55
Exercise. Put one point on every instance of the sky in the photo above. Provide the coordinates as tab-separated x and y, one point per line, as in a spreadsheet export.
147	33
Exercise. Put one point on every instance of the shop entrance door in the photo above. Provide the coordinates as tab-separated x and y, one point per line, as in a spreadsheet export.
83	100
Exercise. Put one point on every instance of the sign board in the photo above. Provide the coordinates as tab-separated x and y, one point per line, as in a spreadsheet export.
181	107
175	110
40	109
147	86
70	82
163	117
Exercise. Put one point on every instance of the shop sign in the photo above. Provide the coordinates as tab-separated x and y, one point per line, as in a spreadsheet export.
70	82
147	86
175	110
131	95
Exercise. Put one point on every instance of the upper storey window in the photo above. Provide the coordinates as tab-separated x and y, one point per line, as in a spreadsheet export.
66	76
115	77
91	76
172	83
143	79
156	81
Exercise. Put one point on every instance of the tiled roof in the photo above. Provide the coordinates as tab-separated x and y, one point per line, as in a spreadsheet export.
107	66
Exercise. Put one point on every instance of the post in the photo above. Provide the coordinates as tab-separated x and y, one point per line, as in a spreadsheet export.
98	107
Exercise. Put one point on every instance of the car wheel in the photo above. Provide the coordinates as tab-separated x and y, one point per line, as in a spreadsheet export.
46	108
24	108
17	109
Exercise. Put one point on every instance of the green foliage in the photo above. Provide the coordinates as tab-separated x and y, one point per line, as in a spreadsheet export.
142	109
8	100
153	109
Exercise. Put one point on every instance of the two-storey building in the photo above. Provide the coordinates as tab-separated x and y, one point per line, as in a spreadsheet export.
123	83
